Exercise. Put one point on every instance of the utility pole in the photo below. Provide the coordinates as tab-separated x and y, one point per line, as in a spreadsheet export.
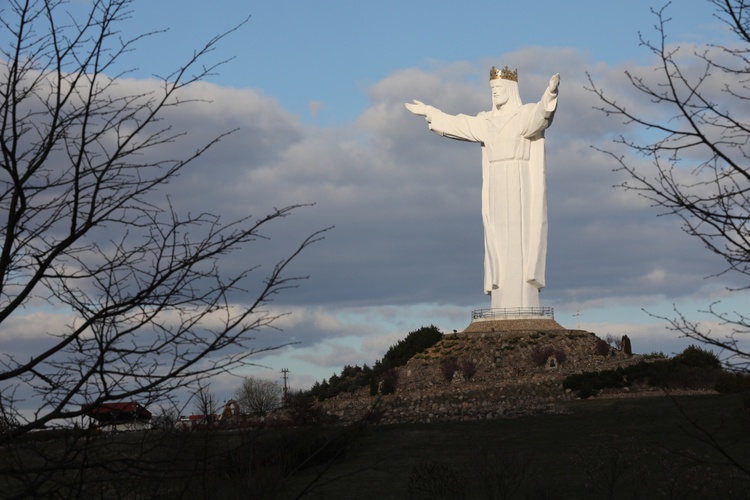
284	372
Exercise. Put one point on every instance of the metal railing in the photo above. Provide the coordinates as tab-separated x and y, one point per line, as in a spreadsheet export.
514	313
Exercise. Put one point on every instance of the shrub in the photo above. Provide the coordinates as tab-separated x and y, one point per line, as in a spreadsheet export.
692	377
384	382
732	382
655	355
468	368
432	480
353	377
350	380
613	341
415	342
693	368
503	473
350	371
319	390
697	357
167	419
586	392
449	366
602	348
540	355
298	448
302	409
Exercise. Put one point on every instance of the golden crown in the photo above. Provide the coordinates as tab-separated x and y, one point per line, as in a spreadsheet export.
504	74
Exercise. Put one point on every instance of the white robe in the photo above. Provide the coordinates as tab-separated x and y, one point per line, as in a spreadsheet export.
514	199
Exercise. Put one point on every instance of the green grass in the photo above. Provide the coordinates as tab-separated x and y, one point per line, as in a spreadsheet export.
601	448
631	448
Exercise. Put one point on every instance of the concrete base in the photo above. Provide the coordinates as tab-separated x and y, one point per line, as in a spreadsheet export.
509	325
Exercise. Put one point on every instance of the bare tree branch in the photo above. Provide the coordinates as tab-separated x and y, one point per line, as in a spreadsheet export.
85	228
697	158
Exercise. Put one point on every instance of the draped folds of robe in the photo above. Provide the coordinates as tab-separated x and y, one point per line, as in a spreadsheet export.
514	198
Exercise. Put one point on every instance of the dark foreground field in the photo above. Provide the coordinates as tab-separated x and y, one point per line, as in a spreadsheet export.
612	448
687	447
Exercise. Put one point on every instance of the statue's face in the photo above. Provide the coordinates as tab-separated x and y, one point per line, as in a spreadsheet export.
500	93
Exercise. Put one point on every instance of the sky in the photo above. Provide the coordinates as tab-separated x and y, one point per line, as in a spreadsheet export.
316	90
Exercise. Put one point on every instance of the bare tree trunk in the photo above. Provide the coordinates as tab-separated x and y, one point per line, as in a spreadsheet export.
85	229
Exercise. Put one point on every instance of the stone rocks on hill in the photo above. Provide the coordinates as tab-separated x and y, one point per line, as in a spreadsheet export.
511	377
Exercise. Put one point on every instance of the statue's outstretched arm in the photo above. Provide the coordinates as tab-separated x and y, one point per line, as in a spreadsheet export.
554	83
544	110
549	99
420	109
417	107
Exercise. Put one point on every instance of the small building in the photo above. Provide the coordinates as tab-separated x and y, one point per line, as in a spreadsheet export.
120	417
199	421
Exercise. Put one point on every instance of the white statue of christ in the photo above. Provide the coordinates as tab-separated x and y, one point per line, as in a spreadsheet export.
514	198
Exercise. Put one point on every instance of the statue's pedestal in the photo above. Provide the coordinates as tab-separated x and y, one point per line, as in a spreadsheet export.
510	319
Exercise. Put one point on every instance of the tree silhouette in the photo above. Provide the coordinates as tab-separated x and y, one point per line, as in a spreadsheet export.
258	396
87	231
691	123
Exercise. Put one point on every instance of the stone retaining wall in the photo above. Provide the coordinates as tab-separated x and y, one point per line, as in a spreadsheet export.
507	381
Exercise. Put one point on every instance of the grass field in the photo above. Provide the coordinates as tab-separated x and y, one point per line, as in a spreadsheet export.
609	448
686	447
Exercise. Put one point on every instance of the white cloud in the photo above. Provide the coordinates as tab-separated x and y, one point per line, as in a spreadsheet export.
408	238
405	201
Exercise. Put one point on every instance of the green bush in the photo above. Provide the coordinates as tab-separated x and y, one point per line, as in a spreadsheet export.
353	378
654	355
384	382
540	355
728	382
586	392
587	384
296	449
694	368
415	342
449	366
435	481
302	409
697	357
468	368
602	348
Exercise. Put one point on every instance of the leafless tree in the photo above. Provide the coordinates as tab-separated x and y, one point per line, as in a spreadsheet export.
85	228
258	396
204	402
615	342
167	418
692	126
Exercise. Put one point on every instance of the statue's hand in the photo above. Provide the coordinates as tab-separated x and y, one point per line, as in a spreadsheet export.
554	82
418	108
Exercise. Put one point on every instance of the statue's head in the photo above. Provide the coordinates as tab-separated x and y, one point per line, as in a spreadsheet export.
504	87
